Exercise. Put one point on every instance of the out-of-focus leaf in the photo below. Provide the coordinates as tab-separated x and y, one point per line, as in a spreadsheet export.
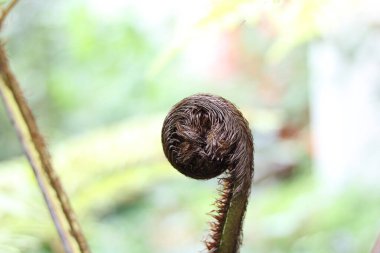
99	171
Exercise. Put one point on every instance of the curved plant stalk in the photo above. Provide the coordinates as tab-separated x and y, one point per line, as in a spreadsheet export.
204	136
35	149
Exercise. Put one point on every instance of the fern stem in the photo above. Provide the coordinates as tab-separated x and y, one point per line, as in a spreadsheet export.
35	150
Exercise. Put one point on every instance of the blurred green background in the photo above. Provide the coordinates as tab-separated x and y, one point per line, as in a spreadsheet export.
100	77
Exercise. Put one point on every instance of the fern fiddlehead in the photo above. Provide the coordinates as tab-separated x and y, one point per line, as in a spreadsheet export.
204	136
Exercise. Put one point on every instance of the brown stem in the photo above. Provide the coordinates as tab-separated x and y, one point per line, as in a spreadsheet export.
5	11
38	156
203	136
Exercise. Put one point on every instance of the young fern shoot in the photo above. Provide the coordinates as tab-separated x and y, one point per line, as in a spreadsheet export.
204	136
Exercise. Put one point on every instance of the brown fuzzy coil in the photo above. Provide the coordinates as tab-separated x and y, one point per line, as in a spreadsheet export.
203	136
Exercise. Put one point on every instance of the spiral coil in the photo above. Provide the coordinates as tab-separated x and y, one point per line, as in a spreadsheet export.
203	136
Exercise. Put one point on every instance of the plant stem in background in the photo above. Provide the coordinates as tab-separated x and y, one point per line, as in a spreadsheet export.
35	149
